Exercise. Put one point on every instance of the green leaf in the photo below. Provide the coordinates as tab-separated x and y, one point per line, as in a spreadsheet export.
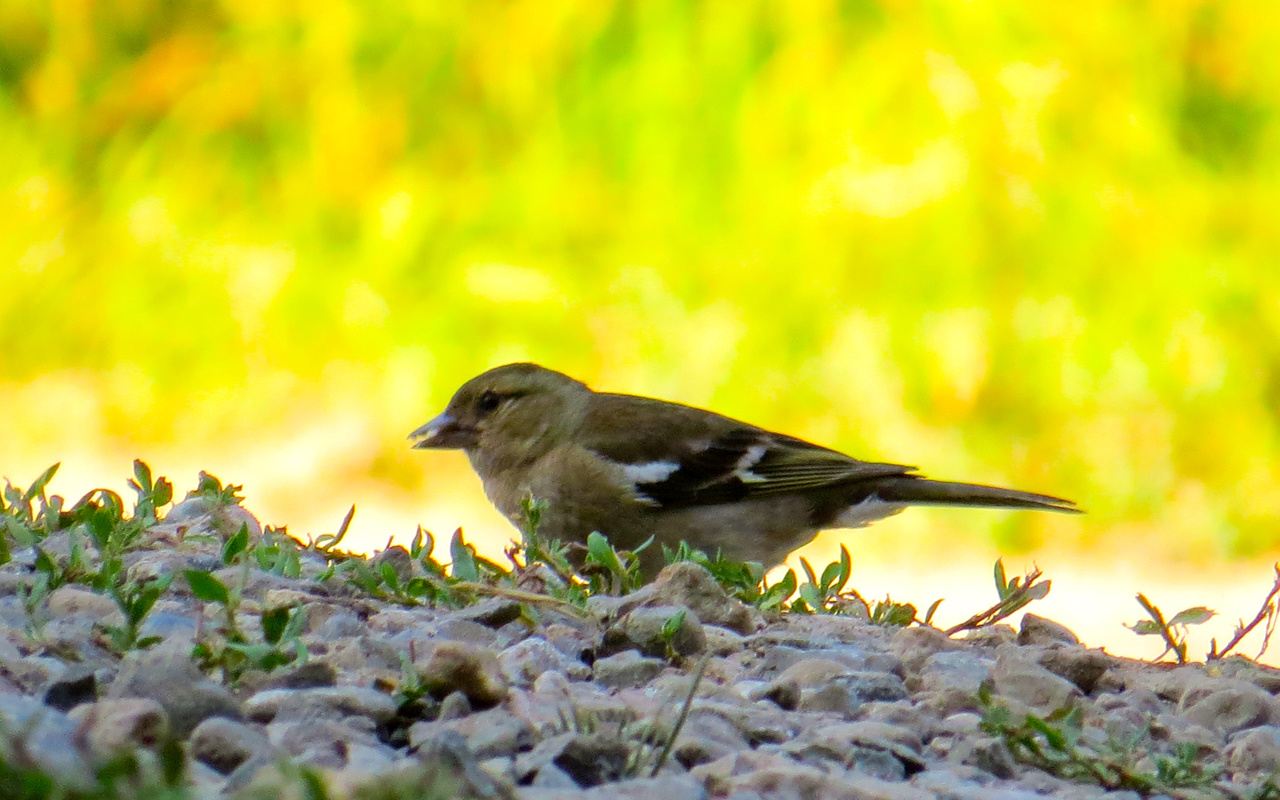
255	652
673	624
423	544
274	622
601	552
1002	584
810	595
830	575
147	597
142	473
44	563
808	570
464	558
933	609
163	492
236	545
206	587
389	576
1051	735
1145	627
1192	616
1037	591
37	488
776	594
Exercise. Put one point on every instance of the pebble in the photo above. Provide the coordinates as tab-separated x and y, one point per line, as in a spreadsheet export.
505	699
460	667
626	669
657	631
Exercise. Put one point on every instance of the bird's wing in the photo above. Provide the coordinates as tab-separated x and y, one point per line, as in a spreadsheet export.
676	455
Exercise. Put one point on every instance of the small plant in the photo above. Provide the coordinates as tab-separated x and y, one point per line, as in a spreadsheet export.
1172	630
1015	593
824	595
535	547
135	601
670	627
1056	744
228	648
22	521
327	543
612	571
209	487
275	552
893	614
1266	617
151	495
35	606
742	579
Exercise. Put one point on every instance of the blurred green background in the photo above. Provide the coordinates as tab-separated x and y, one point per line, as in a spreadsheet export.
1028	244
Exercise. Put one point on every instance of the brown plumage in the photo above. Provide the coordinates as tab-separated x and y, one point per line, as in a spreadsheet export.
634	467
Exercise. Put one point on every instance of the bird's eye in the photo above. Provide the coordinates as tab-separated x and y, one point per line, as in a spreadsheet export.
488	402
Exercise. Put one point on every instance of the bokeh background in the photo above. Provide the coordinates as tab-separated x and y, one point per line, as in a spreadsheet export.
1027	244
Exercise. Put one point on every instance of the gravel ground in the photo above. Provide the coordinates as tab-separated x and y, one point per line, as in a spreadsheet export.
512	697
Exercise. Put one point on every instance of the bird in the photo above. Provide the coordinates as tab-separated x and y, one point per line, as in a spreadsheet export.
635	468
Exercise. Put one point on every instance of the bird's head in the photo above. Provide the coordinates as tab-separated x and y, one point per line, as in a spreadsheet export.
512	407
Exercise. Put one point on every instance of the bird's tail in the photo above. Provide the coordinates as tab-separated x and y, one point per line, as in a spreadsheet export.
912	490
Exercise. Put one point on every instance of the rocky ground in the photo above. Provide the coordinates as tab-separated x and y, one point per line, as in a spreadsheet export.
312	681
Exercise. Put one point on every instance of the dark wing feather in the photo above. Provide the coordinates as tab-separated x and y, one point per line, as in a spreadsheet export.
697	457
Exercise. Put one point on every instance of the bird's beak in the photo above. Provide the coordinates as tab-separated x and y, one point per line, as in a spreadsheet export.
445	433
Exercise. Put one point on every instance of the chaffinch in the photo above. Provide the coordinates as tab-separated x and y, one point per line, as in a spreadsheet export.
633	467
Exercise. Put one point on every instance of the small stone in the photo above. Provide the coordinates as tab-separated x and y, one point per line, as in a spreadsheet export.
667	787
1082	667
337	627
954	782
626	669
810	673
455	666
205	514
768	774
466	631
1233	708
592	760
172	680
284	598
70	599
524	661
326	702
1031	684
454	706
399	559
643	628
1038	630
111	726
691	586
1254	753
869	787
847	693
492	612
310	675
705	738
915	646
992	636
987	753
49	738
225	744
874	748
489	734
78	684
